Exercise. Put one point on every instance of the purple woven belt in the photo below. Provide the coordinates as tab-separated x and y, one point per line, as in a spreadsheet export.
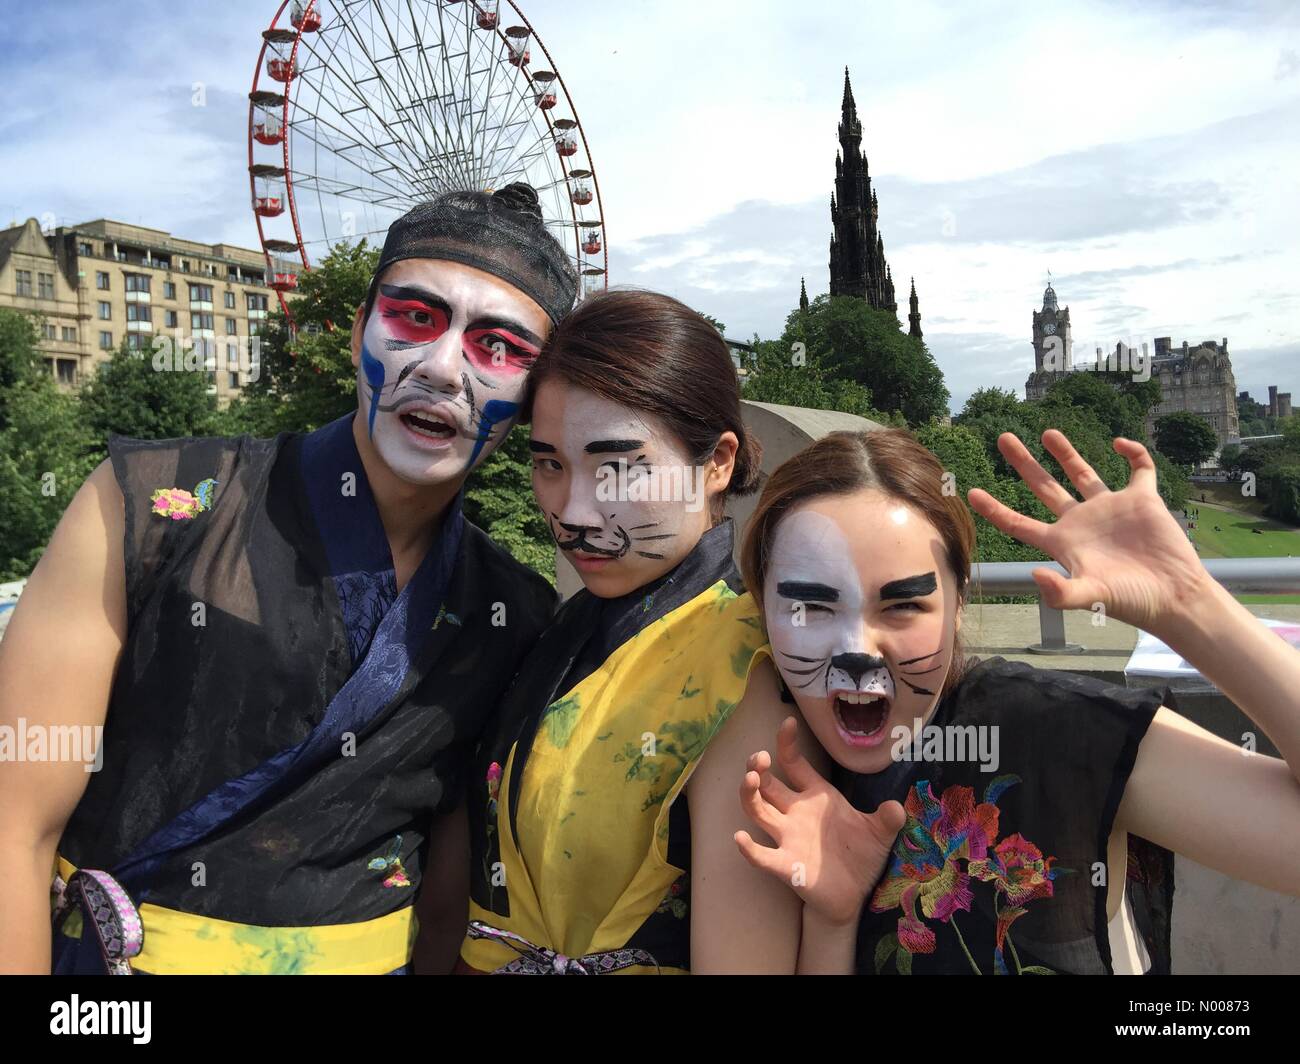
537	960
108	909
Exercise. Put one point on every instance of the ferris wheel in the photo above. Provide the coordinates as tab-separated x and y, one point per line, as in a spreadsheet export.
360	109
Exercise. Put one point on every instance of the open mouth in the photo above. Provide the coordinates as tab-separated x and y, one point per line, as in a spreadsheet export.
428	426
861	717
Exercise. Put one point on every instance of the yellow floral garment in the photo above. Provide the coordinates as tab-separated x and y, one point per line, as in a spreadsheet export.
587	860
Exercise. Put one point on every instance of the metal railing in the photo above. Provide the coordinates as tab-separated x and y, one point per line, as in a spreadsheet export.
1244	576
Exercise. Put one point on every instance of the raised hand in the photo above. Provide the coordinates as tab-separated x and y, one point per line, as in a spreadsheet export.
1121	548
829	853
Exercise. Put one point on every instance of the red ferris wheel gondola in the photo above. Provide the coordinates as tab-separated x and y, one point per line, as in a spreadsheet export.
373	106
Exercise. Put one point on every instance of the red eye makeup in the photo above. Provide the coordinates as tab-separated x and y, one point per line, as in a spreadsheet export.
498	350
412	321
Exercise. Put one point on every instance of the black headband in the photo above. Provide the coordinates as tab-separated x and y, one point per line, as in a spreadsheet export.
501	233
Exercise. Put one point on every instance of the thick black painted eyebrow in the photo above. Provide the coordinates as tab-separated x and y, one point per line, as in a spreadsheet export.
417	295
432	299
538	447
509	326
909	587
612	446
803	591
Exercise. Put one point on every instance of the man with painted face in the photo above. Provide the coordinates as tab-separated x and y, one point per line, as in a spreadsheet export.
290	646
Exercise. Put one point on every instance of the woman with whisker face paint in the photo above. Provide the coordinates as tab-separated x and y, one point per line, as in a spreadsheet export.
602	828
987	817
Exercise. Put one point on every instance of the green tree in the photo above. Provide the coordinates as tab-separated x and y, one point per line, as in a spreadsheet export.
153	394
1185	438
46	452
306	379
789	378
856	342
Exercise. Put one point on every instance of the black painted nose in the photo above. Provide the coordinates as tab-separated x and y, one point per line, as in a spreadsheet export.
856	665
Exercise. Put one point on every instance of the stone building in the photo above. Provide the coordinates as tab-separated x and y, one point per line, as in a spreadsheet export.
1197	379
98	283
857	253
1053	346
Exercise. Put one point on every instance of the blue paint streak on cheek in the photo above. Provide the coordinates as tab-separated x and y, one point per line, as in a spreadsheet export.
495	411
374	371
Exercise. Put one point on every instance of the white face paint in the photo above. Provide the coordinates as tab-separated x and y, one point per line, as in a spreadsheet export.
617	488
441	366
859	620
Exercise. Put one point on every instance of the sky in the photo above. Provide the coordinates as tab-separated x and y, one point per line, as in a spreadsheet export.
1145	154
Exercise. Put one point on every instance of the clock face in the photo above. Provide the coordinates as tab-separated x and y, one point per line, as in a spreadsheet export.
1049	328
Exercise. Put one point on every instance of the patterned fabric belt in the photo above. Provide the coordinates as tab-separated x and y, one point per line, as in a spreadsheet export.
109	910
537	960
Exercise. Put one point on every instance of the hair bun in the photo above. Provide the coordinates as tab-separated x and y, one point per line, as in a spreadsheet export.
521	197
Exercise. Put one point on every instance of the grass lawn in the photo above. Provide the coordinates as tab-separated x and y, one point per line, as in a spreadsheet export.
1226	493
1236	540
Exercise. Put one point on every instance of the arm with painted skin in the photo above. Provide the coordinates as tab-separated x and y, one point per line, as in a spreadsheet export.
742	920
1125	550
57	662
827	852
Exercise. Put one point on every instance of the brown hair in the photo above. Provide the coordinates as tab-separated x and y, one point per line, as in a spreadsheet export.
891	461
652	353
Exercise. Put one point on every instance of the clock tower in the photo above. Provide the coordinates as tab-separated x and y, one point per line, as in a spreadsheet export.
1052	346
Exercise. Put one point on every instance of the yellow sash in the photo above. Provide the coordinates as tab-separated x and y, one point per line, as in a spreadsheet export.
607	760
177	943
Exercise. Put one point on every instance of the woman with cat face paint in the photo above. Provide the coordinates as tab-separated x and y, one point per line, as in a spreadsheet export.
604	808
1038	809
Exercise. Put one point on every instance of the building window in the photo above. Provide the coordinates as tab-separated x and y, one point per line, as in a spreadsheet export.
139	312
230	300
200	293
232	356
169	290
201	321
67	371
106	341
48	332
23	281
84	248
231	329
256	302
69	334
101	280
254	328
234	380
172	318
137	282
45	281
105	311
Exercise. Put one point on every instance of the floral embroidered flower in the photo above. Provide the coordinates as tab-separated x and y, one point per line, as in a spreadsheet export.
180	505
937	835
1018	869
175	503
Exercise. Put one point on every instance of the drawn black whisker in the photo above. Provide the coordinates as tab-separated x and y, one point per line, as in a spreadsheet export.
646	554
666	535
917	690
920	672
804	672
796	657
913	661
638	528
